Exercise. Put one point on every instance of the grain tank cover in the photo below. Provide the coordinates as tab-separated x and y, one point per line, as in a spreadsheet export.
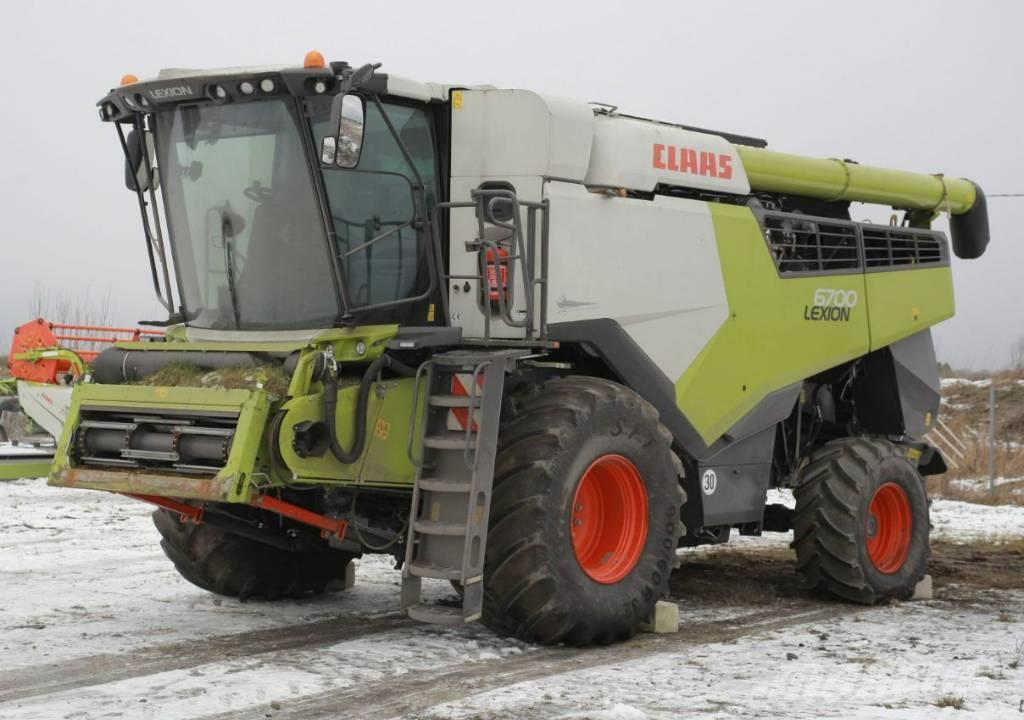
640	154
518	133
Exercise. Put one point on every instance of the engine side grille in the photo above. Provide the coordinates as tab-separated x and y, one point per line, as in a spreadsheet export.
894	247
812	246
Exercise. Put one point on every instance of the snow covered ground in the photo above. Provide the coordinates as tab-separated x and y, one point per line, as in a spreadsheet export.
954	382
95	623
952	520
8	449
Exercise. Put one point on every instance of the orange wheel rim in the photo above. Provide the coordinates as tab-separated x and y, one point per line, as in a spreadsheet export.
889	525
609	519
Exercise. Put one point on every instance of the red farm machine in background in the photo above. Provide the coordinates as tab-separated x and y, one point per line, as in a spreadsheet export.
57	353
45	360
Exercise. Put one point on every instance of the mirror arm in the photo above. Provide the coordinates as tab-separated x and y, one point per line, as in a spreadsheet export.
142	211
160	246
357	77
151	242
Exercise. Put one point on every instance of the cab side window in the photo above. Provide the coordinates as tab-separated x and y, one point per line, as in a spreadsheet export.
372	206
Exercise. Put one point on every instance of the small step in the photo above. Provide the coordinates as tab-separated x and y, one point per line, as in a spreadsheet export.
440	615
448	441
431	527
432	570
457	360
453	401
446	486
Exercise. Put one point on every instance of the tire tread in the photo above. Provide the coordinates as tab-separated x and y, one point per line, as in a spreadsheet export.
521	597
227	564
825	524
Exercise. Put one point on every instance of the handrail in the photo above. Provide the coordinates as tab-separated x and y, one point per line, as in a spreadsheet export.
475	381
422	371
523	255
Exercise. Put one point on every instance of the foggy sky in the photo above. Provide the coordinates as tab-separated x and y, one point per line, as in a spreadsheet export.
924	86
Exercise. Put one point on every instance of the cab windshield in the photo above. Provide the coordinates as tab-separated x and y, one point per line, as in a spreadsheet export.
248	240
247	229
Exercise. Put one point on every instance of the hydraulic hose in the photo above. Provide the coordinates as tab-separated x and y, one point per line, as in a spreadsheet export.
347	457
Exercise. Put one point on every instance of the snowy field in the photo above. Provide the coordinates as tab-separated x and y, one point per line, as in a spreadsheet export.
95	623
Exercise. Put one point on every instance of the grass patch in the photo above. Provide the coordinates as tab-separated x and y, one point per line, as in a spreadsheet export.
270	377
173	375
992	563
965	413
8	385
953	701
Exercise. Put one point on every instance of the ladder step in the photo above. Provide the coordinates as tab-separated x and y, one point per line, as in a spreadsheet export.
440	615
447	441
453	401
447	486
431	527
426	569
457	360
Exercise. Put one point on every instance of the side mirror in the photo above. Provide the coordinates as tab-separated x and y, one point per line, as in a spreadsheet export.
135	178
343	146
136	175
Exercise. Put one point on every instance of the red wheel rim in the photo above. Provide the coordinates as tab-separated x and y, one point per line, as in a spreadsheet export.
609	519
890	522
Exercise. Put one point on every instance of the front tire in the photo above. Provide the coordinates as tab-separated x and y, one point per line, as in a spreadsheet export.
861	525
228	564
584	517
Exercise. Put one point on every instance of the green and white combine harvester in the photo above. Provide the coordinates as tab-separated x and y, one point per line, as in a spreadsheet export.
526	345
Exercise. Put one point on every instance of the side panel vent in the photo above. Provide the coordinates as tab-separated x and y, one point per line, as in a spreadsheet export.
895	247
803	245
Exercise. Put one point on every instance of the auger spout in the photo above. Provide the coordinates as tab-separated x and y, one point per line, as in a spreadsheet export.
832	179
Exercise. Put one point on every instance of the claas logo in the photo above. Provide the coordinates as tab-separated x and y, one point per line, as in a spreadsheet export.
692	162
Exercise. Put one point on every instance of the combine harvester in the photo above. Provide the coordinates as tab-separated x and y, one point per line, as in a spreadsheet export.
526	345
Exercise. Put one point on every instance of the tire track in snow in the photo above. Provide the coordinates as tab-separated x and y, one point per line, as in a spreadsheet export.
37	680
419	691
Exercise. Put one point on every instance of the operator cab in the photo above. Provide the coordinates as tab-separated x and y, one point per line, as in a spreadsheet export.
262	235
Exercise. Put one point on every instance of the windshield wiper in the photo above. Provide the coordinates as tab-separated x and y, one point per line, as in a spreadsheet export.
227	232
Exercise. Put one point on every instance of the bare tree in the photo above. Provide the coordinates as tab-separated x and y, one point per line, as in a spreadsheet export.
1017	354
66	308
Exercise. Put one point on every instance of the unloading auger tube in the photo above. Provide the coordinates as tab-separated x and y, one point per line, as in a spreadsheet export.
835	180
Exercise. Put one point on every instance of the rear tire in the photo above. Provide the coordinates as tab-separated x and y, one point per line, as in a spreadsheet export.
231	565
861	525
545	584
